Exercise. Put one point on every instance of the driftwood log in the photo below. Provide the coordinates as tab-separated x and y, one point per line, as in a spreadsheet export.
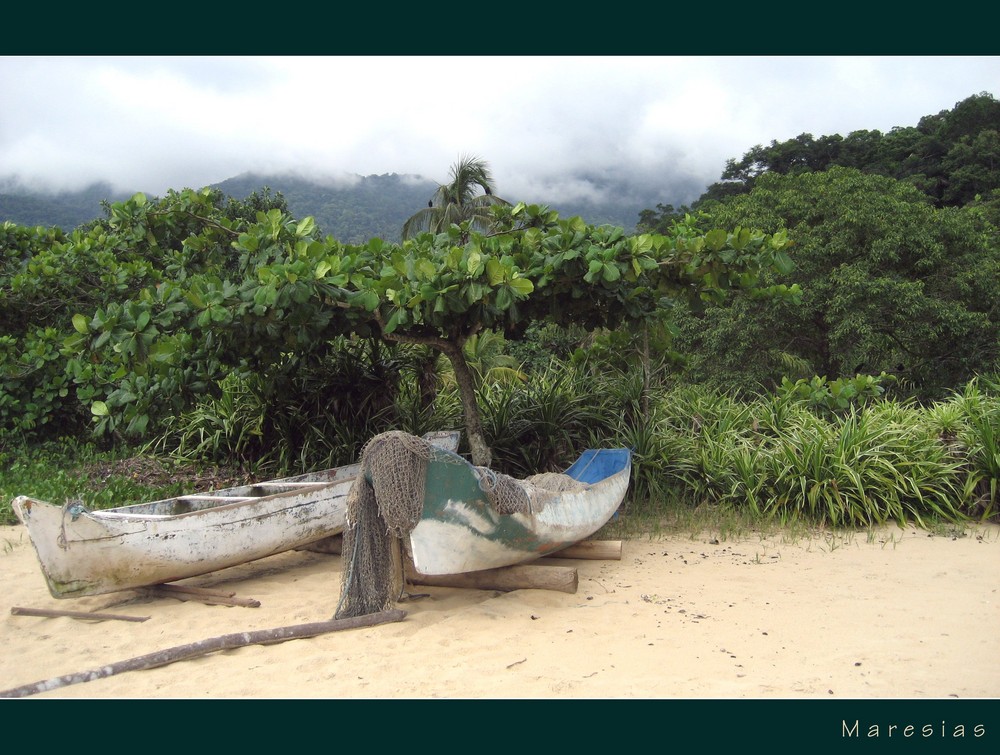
534	576
504	579
202	647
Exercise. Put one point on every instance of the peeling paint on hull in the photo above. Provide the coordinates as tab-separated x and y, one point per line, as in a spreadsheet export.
460	531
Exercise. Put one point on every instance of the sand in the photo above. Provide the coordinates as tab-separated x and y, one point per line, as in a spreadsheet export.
898	613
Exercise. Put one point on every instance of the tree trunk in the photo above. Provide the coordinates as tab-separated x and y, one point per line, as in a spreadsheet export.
481	454
427	379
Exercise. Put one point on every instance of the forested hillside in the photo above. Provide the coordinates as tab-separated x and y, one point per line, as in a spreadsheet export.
355	210
896	250
352	212
953	157
352	209
65	209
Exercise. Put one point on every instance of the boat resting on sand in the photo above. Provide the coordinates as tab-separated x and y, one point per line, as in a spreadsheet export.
454	517
463	526
84	552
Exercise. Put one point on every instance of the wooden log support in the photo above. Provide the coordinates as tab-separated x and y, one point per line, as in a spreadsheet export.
209	597
194	649
86	615
170	587
504	579
608	550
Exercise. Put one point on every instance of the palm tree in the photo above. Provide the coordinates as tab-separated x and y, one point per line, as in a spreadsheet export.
458	200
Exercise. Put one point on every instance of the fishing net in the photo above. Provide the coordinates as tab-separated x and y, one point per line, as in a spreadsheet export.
385	503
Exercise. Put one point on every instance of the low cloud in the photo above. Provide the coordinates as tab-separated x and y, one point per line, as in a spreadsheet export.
573	129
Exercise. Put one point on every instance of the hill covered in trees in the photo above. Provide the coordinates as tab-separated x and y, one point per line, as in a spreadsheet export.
65	209
896	252
953	157
352	208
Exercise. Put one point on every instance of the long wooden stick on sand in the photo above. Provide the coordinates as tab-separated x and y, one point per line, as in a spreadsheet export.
209	597
211	645
86	615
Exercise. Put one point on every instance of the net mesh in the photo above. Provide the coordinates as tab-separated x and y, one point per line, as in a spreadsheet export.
385	503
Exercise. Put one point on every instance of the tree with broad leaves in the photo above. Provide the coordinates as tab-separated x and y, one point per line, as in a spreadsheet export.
297	293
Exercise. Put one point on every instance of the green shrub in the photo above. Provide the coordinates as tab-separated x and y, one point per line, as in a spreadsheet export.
63	469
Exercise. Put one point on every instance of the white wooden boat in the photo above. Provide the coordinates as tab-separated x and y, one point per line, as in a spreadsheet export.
84	552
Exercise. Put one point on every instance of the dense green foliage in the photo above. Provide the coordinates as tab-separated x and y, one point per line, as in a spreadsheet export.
832	328
951	157
49	279
896	250
156	305
776	457
890	285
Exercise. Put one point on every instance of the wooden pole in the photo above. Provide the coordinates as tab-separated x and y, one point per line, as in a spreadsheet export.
194	649
52	613
398	568
504	579
209	597
191	590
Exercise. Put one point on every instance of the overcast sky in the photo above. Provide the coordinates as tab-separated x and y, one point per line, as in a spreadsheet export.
545	124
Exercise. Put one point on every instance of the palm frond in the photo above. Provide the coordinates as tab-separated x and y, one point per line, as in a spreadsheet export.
458	200
418	223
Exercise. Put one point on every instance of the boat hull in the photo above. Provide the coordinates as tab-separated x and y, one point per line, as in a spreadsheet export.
461	531
84	552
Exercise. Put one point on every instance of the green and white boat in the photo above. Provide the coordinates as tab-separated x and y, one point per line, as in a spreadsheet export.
461	529
453	517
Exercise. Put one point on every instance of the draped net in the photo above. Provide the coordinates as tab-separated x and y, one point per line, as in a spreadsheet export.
385	503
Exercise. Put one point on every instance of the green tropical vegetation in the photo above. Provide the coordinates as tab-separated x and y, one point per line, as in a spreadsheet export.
351	208
458	201
814	340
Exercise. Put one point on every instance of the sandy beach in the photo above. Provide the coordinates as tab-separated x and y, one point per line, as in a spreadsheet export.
899	613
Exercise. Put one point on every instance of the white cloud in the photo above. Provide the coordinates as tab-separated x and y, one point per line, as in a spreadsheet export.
544	123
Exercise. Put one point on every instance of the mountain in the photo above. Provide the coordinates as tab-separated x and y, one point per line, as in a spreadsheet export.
352	208
66	209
